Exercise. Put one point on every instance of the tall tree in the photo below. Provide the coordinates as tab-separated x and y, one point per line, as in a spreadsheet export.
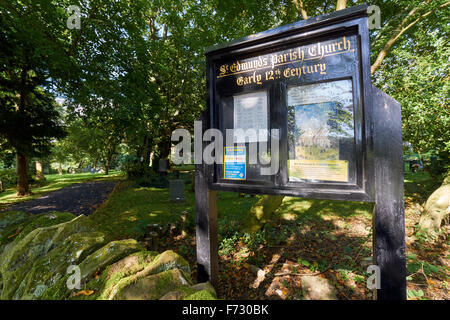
33	57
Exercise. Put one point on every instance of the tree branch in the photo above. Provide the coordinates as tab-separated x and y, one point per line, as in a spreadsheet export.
400	31
300	8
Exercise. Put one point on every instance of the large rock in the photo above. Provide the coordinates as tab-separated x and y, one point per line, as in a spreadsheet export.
38	249
17	260
436	209
200	291
12	218
165	261
47	270
93	264
317	288
104	285
153	286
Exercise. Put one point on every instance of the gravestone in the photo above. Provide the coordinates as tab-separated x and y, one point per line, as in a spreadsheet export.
162	165
176	190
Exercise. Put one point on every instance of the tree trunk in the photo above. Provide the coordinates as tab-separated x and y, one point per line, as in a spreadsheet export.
261	212
107	164
95	165
23	188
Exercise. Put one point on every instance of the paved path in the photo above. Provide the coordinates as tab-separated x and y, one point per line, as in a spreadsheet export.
80	198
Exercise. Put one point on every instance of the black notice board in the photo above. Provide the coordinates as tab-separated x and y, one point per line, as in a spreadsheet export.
338	136
311	81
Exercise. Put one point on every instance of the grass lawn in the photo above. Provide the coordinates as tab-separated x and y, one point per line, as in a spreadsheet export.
53	182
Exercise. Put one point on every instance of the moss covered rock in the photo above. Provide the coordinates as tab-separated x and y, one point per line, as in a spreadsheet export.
34	263
93	264
44	220
11	223
103	285
166	261
201	295
18	259
11	218
50	268
151	287
200	291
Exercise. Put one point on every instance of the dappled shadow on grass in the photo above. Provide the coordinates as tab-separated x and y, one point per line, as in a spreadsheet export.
305	237
130	209
324	238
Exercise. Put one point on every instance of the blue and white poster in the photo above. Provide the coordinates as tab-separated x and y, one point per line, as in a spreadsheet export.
234	163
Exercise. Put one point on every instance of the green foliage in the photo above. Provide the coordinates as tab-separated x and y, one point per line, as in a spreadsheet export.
415	265
415	294
135	169
416	74
255	240
154	181
8	177
439	166
226	246
303	262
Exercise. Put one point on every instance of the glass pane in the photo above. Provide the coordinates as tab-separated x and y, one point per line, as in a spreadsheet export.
245	124
321	132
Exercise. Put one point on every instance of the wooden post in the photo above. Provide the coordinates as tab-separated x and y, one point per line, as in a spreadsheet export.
206	219
389	213
206	229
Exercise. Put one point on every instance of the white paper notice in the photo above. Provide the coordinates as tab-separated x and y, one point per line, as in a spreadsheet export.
250	117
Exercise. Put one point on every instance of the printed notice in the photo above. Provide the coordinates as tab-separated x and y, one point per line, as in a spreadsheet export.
250	117
323	170
234	163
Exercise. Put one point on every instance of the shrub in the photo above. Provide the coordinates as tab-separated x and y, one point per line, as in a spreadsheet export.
152	181
439	166
134	168
8	177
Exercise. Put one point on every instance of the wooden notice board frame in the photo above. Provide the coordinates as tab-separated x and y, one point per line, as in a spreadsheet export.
377	165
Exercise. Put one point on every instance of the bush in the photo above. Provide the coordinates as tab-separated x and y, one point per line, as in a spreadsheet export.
134	168
8	177
439	166
152	181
